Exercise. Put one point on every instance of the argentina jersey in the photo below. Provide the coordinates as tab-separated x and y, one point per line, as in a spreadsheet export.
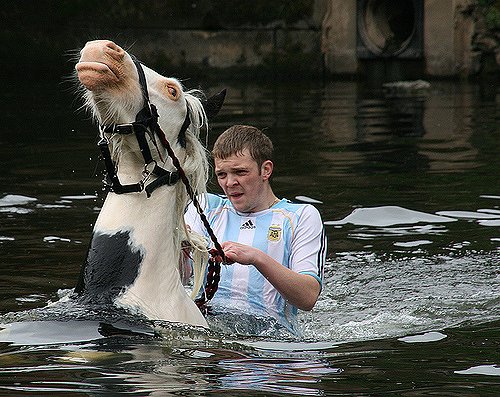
290	233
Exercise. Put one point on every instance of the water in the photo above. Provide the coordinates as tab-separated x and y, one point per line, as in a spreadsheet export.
409	192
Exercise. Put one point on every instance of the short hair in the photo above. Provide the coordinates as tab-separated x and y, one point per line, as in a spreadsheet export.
240	137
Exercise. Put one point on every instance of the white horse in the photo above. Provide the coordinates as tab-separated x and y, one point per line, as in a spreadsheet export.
133	258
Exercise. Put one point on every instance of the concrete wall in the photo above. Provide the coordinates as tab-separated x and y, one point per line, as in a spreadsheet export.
448	28
242	39
338	39
277	40
447	38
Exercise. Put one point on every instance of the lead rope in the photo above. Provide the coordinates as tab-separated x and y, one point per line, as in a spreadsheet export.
148	117
217	255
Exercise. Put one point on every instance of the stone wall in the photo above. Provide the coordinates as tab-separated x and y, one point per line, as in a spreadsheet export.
485	47
278	39
460	37
281	39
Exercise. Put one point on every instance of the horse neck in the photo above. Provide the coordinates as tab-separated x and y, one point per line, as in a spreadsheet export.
153	224
128	157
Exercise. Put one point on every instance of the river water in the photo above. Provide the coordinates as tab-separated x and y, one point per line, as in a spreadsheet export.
408	187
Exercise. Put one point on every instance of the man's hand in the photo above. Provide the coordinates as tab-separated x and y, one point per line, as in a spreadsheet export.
301	290
241	253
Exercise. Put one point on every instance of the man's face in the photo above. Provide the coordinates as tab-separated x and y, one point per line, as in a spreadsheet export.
244	182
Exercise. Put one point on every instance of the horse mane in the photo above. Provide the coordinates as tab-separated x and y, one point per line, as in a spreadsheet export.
196	168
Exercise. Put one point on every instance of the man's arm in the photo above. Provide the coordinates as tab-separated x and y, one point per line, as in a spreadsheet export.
301	290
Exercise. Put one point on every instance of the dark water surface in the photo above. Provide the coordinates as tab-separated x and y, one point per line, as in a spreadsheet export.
410	195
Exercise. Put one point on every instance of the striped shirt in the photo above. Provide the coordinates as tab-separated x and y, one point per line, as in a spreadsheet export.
292	234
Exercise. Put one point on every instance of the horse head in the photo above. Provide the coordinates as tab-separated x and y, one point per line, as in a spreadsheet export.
114	94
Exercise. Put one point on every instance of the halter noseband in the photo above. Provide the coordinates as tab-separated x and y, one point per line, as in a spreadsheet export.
146	122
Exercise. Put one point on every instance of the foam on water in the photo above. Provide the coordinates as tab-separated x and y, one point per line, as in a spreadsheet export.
432	336
52	206
49	332
489	370
79	197
389	216
415	243
489	222
13	204
468	215
369	296
307	199
16	210
11	200
52	239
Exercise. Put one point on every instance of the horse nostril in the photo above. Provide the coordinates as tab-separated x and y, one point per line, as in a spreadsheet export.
113	50
111	45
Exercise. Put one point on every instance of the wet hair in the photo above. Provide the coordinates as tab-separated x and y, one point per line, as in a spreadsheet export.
240	137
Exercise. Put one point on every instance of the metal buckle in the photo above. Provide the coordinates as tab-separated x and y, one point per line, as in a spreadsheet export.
146	173
127	128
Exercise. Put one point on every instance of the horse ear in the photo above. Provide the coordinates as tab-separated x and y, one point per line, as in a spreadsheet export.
213	104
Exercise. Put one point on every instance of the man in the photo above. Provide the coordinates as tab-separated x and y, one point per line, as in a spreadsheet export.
278	247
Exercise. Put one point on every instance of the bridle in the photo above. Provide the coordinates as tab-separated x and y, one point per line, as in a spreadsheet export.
146	122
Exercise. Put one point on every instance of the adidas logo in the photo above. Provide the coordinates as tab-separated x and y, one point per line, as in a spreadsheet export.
247	225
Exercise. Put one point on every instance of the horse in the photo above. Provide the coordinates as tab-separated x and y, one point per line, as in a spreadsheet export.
147	122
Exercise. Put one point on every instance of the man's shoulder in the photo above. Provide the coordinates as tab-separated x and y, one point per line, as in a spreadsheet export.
212	201
301	213
296	207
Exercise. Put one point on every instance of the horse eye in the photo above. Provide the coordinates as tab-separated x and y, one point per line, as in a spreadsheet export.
172	91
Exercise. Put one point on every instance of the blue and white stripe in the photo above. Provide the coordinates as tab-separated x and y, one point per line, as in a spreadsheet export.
298	242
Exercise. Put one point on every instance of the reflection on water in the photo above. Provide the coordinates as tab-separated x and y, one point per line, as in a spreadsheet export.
142	365
441	118
407	184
